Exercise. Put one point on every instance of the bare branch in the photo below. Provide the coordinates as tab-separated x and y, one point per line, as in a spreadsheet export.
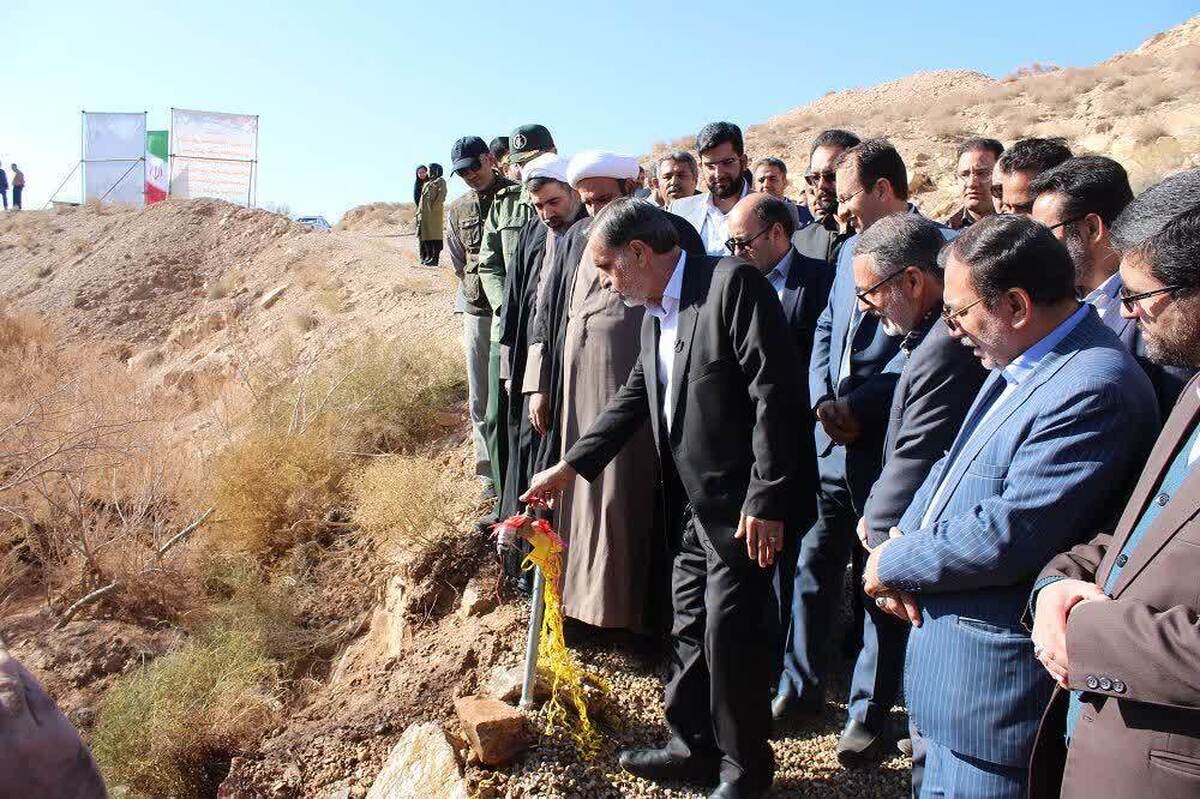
84	601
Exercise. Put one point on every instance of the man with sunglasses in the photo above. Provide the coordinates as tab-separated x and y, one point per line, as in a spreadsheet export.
760	230
1115	620
1018	167
824	236
1055	435
899	280
976	161
1079	200
723	162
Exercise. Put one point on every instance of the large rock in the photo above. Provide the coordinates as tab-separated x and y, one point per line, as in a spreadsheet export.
496	731
421	765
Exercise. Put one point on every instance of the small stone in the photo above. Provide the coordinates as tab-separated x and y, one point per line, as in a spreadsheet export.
272	296
476	600
496	731
505	683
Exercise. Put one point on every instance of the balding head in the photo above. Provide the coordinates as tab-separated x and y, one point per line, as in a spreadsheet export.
760	226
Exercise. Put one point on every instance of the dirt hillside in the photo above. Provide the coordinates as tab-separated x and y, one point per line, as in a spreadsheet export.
1140	107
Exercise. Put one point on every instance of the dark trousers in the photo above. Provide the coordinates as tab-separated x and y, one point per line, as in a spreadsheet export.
716	705
879	670
430	251
17	190
823	553
4	197
783	584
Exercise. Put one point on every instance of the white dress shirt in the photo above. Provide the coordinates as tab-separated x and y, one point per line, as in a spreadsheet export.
666	310
715	231
1106	299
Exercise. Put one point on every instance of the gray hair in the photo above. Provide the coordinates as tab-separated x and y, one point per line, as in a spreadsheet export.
1162	224
901	240
628	219
682	157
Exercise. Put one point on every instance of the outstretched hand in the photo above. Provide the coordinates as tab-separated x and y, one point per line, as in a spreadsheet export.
546	485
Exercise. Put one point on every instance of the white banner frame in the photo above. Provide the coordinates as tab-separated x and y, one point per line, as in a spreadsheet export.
179	158
109	170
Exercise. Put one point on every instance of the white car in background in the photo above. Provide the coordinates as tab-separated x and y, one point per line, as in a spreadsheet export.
315	223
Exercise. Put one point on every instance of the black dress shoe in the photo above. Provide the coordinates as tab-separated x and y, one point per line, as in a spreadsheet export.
860	746
659	764
788	706
736	790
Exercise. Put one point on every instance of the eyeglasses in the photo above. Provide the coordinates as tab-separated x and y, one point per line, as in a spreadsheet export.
1065	222
718	164
1130	300
862	295
951	317
733	245
850	196
816	178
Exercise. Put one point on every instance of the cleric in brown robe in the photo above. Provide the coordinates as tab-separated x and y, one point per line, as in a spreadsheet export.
610	523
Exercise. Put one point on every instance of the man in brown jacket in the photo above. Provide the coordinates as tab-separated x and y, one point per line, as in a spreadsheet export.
1117	620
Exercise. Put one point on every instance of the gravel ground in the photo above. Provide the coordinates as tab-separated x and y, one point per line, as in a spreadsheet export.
805	755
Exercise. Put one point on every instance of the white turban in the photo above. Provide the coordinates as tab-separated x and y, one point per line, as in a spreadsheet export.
546	165
597	164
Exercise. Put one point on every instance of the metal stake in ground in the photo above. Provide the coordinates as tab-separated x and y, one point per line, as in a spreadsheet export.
536	612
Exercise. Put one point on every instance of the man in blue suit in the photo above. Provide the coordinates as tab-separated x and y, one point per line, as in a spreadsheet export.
852	375
1056	434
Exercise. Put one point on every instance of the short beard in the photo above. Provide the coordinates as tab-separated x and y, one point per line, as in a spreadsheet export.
1080	257
735	187
1168	350
826	206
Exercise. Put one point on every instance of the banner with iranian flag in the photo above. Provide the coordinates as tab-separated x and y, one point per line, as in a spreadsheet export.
156	166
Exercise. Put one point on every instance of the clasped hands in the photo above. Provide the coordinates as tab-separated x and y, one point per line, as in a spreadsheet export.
1054	605
900	604
837	420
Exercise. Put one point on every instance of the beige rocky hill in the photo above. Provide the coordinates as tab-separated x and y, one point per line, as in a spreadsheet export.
171	307
1140	107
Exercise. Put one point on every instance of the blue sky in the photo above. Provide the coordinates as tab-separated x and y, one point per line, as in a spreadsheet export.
353	95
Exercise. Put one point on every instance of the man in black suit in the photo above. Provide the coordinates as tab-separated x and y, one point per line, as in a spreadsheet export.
720	380
760	231
824	236
898	279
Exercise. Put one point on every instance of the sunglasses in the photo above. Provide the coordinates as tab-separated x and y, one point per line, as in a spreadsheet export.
734	245
1130	300
862	295
850	196
951	317
816	178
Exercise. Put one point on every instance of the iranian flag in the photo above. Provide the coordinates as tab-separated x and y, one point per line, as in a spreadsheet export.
156	166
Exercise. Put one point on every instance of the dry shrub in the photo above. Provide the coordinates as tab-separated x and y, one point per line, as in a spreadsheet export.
1018	121
90	488
946	124
1148	131
282	480
406	503
221	287
163	728
1145	92
273	490
1152	162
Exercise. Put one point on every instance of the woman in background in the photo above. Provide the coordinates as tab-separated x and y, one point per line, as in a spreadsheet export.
429	216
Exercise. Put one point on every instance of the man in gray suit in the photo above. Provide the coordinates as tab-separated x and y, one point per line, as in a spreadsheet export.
1056	433
898	279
